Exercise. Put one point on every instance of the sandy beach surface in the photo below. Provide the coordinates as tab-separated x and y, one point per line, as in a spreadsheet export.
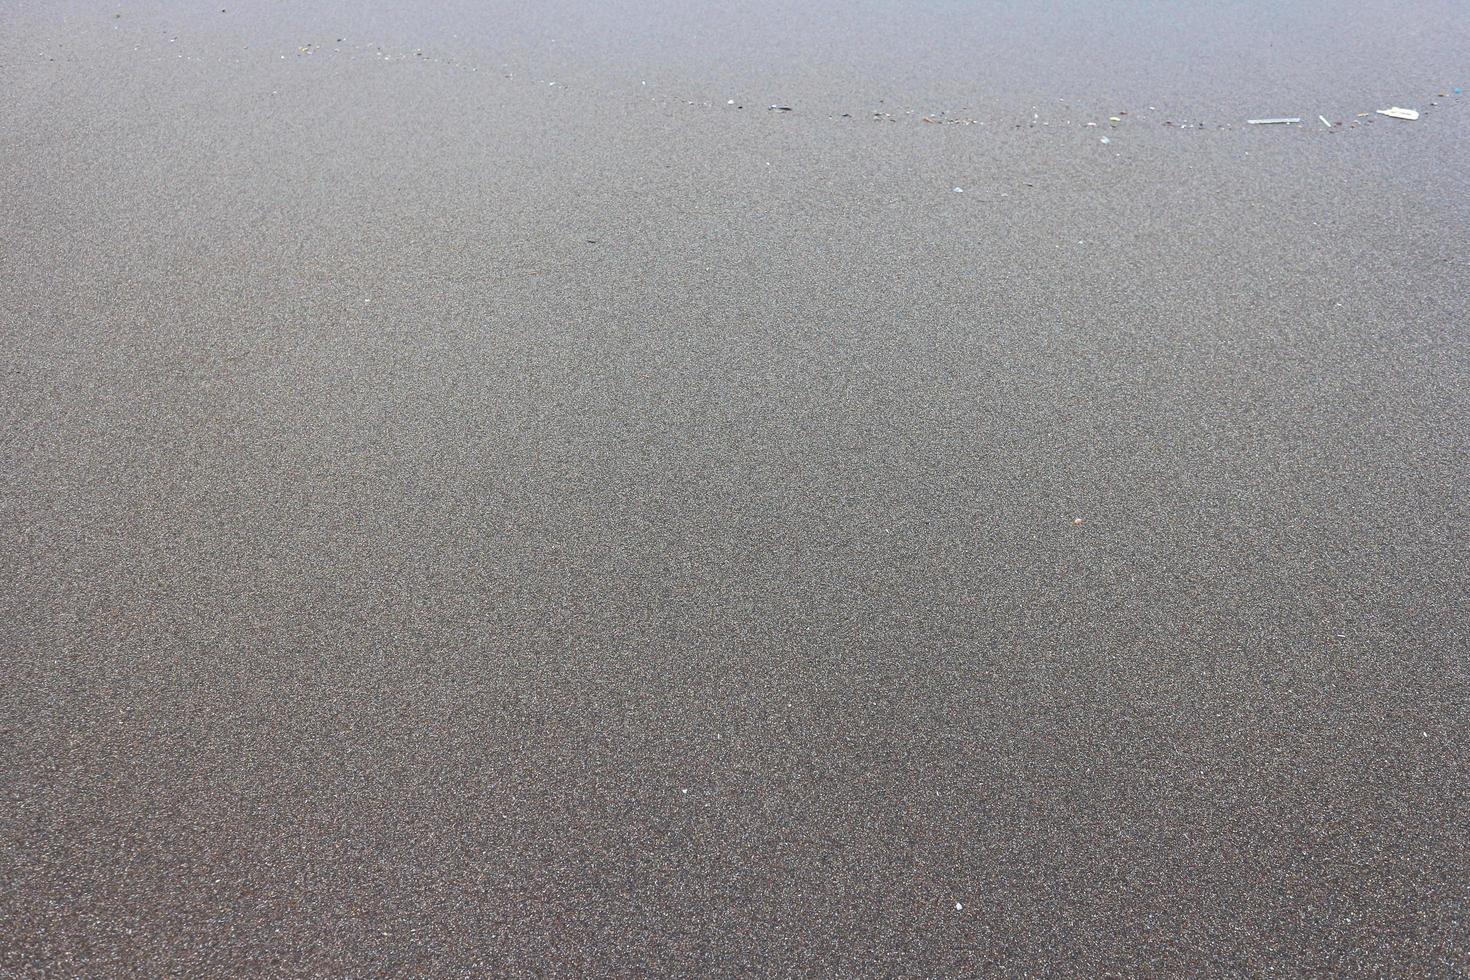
484	494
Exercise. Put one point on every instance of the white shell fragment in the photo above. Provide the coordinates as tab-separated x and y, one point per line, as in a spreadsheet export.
1399	113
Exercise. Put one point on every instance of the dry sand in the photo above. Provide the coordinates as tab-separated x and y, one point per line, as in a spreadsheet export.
453	524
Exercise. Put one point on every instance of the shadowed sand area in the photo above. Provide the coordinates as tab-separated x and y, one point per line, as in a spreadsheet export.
454	524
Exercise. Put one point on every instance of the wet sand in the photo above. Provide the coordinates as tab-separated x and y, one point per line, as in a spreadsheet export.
457	525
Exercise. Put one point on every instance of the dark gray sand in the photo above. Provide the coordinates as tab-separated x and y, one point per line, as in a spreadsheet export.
453	524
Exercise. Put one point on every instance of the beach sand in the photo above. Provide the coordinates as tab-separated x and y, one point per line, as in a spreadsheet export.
457	524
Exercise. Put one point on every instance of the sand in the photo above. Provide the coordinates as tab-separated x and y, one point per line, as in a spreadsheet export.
459	525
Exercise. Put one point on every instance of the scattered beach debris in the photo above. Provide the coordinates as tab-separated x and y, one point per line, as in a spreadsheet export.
954	116
1077	522
959	190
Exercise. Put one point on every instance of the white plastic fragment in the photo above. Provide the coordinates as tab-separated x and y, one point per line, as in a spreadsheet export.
1284	120
1396	112
1325	122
